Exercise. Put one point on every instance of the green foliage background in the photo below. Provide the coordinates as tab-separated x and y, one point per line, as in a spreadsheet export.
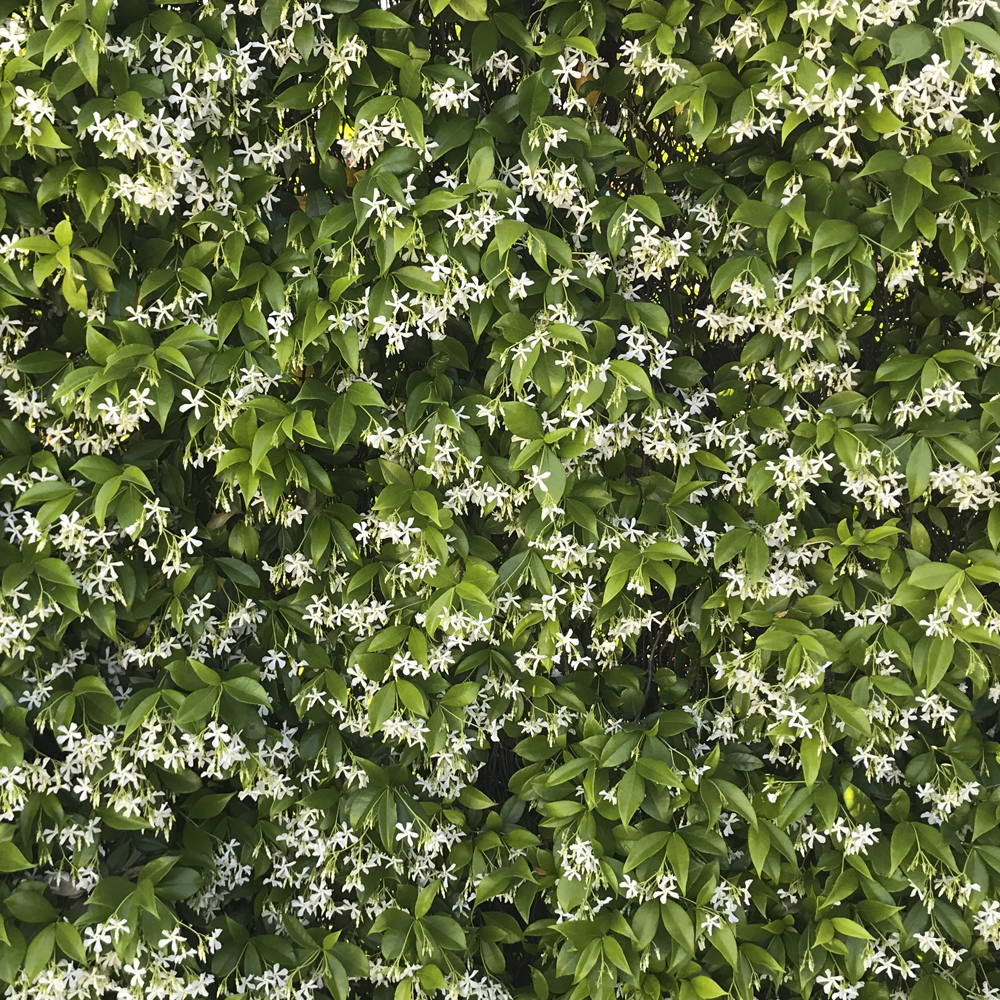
498	499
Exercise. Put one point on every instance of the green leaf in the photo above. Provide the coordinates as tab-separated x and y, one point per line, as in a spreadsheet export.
631	791
12	955
481	166
383	19
419	280
381	707
776	230
42	492
960	450
613	950
632	375
341	420
811	754
982	34
757	557
238	571
104	616
646	922
731	544
645	847
724	941
336	977
679	925
906	195
39	952
707	988
473	798
197	706
852	715
833	232
28	904
851	928
532	97
679	857
937	659
70	943
919	167
759	842
62	36
900	367
469	10
523	420
910	41
918	469
933	576
97	469
247	690
903	840
107	492
884	161
754	213
209	805
659	772
736	799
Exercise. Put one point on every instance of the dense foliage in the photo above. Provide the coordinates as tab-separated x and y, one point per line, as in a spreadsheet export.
498	499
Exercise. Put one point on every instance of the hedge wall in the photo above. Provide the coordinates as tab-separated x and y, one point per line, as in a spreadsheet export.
499	499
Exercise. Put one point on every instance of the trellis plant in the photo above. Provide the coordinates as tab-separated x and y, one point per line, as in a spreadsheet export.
498	499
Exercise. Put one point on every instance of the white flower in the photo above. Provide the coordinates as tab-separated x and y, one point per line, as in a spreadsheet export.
407	833
969	615
195	402
536	478
519	286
